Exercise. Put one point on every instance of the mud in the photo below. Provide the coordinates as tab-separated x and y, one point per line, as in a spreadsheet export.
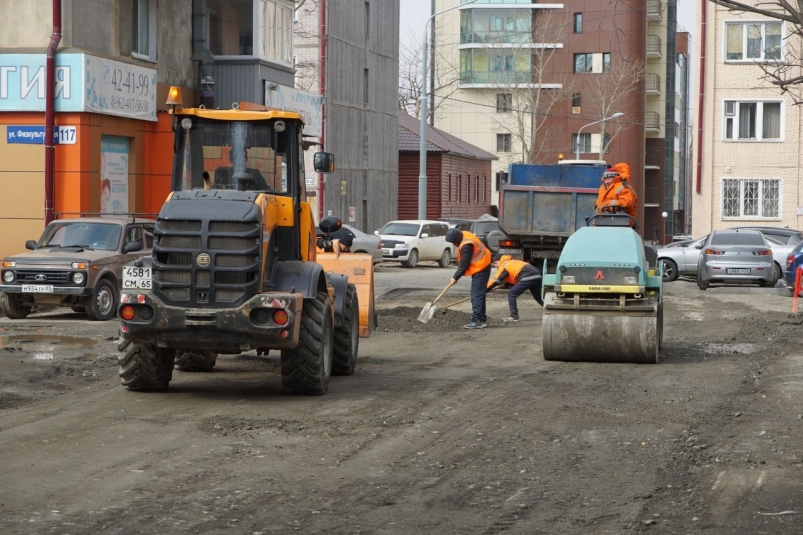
405	320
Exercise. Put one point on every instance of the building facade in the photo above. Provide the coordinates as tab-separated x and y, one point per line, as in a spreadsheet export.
748	158
348	52
114	64
537	80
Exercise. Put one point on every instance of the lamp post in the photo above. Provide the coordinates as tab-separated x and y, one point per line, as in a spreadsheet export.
577	142
422	150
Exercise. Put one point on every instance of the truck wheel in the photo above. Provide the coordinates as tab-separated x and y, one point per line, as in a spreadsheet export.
15	306
446	259
195	361
145	366
102	304
307	367
347	338
412	260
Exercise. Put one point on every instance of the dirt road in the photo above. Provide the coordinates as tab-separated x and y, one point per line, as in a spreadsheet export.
439	431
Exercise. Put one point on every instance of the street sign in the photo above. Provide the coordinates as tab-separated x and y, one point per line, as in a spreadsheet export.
35	135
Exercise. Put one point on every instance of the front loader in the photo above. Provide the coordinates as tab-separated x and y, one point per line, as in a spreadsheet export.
234	260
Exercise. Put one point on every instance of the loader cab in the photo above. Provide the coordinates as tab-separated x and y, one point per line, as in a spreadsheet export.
238	151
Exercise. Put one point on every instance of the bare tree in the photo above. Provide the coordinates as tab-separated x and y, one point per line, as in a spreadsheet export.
445	82
607	92
306	30
781	66
521	68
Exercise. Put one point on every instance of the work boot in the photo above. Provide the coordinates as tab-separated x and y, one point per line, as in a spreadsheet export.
475	325
514	318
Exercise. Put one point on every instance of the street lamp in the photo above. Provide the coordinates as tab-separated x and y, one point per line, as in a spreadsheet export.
422	150
577	141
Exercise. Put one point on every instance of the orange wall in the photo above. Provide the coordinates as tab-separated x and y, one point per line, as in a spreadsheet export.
77	180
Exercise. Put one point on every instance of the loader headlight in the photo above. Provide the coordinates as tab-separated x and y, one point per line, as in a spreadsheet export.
567	279
631	280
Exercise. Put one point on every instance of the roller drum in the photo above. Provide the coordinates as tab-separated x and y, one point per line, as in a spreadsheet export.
586	336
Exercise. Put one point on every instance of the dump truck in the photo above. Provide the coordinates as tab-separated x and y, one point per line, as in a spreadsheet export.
234	265
604	302
540	206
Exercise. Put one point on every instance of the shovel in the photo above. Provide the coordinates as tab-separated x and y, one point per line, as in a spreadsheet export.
428	312
444	307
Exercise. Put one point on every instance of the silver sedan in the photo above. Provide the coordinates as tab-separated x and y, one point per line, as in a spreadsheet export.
680	259
736	256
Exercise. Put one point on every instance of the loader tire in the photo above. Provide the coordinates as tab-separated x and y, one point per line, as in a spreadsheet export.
195	361
306	369
144	366
347	338
15	306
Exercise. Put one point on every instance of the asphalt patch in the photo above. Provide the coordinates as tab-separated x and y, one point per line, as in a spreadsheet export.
405	319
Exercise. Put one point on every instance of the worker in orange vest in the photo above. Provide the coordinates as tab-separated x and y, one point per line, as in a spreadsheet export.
615	193
522	276
473	259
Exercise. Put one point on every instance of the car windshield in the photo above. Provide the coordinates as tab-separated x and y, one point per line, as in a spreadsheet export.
103	236
400	229
737	238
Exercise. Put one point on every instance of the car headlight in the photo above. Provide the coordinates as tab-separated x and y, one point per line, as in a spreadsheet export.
78	278
8	277
401	246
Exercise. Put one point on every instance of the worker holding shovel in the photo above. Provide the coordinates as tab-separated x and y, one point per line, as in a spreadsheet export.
522	276
473	259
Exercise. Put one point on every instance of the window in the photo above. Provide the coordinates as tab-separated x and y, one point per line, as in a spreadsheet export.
260	28
504	102
578	23
753	41
449	192
752	120
365	87
367	18
751	198
584	142
597	62
576	100
143	39
503	142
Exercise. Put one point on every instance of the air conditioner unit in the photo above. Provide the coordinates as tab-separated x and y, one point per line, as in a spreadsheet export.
730	108
575	110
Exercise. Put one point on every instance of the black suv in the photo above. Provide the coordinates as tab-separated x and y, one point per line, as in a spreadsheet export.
478	227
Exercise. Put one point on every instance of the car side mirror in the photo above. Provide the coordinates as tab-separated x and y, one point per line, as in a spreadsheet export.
132	247
324	162
698	246
376	233
30	244
425	235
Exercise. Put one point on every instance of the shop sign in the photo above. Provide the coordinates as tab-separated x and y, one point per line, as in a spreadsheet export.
308	105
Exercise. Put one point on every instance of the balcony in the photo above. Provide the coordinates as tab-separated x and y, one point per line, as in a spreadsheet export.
652	157
495	37
653	84
652	197
654	46
652	121
495	77
655	10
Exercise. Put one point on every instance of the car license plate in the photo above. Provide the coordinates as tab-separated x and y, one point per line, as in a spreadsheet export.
37	288
511	252
385	251
136	278
738	271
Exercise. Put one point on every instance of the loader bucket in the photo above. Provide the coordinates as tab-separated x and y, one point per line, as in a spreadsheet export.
360	270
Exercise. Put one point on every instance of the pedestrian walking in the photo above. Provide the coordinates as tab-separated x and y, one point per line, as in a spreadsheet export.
474	260
522	276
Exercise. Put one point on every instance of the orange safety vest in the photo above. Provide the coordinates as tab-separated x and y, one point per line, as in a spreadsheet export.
513	268
480	258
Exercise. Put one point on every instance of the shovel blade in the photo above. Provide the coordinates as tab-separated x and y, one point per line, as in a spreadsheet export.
427	313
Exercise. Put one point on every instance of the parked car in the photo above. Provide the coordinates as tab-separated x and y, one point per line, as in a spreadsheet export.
410	241
480	228
681	258
783	236
76	263
363	243
736	256
794	260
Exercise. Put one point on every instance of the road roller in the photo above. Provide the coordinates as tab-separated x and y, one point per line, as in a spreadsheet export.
604	303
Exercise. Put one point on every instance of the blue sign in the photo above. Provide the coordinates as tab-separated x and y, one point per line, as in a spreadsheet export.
22	82
35	135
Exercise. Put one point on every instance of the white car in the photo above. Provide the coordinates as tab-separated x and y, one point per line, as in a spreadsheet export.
410	241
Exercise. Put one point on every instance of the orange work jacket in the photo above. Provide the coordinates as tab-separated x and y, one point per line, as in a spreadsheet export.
480	257
513	268
618	195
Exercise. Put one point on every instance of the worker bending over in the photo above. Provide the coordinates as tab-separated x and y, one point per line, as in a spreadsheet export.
615	194
473	259
522	276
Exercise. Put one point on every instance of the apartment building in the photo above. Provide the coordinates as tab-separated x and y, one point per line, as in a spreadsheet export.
748	156
536	80
114	63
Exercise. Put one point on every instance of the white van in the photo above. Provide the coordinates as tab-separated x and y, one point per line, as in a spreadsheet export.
410	241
